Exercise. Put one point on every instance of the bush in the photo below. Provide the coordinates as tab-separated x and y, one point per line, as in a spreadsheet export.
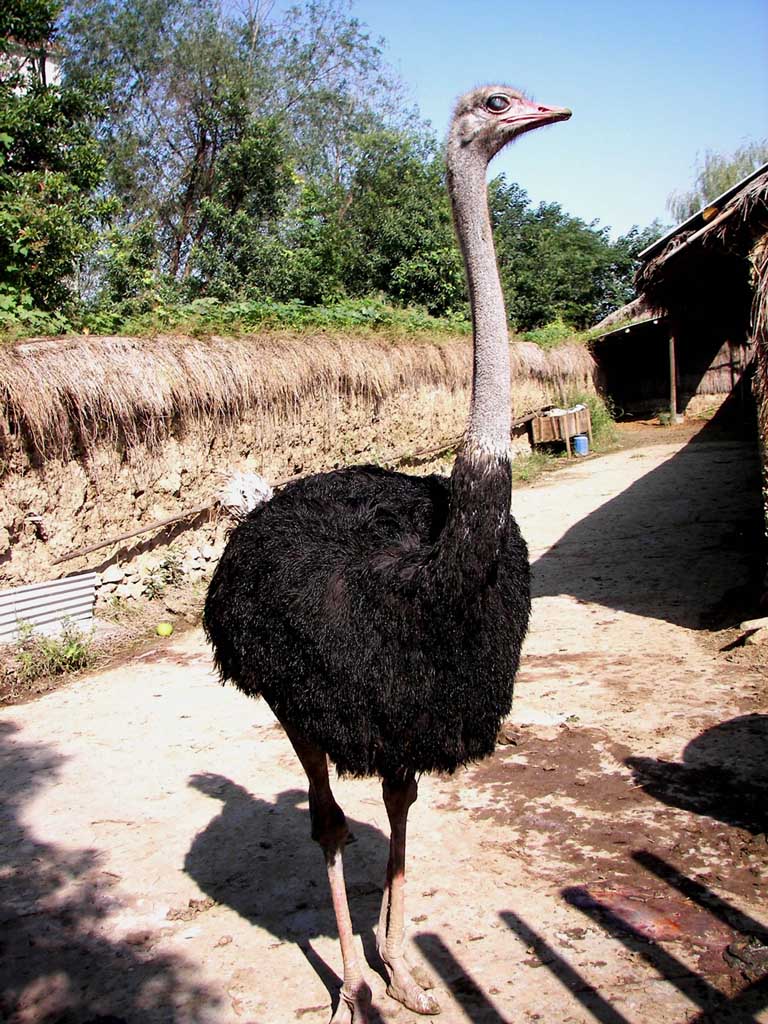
38	655
604	432
213	316
557	332
20	318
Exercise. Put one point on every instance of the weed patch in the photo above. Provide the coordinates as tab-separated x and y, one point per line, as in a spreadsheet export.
526	469
35	656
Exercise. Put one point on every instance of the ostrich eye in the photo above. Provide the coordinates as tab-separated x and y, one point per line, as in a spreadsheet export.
497	103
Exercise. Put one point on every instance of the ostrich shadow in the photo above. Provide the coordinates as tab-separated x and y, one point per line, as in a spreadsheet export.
257	858
723	774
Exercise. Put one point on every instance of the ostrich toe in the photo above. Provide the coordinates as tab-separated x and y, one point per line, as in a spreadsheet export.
406	990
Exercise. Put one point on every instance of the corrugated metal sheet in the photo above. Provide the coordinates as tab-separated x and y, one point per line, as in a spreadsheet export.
47	605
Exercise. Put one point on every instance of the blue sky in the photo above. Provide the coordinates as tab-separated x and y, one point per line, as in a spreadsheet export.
651	86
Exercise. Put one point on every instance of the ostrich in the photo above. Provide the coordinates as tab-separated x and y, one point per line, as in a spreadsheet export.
382	615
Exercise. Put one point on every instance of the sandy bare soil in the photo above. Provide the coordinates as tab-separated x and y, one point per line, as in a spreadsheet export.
608	864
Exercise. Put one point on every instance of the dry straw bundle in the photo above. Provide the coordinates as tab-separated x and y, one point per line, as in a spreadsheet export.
60	398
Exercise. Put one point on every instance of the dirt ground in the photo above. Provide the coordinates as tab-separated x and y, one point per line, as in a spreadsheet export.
607	864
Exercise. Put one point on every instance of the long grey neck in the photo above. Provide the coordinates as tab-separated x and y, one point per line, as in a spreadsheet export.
488	430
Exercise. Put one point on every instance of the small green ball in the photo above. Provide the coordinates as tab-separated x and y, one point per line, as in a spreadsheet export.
164	628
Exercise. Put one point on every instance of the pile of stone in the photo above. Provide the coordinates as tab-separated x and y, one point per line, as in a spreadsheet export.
118	582
199	562
145	576
756	631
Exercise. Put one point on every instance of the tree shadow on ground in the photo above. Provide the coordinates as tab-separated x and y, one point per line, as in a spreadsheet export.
57	964
723	774
679	544
258	858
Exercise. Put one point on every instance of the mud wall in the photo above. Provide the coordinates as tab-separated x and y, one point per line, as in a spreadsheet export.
53	505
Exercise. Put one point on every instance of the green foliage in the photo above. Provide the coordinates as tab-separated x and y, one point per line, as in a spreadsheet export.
167	573
550	335
556	269
201	105
153	585
625	252
604	432
171	572
28	22
50	168
528	467
231	171
237	250
386	228
716	173
20	317
212	316
37	655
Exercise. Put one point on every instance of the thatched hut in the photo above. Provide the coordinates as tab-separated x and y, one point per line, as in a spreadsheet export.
693	330
701	323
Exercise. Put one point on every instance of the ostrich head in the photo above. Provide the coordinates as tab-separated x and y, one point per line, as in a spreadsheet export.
488	118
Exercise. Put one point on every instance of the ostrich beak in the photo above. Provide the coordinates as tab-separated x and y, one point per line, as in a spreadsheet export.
533	115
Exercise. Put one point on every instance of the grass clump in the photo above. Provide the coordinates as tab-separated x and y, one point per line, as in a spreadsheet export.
169	572
558	332
37	655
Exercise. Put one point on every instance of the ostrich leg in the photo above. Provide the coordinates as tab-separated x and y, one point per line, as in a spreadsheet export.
329	829
399	794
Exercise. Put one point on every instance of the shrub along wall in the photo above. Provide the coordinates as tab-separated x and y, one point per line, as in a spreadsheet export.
99	436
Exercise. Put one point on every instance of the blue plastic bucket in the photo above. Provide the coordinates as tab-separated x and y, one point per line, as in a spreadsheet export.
581	444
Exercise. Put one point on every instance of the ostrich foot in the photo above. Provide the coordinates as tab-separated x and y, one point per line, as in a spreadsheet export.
406	985
353	1005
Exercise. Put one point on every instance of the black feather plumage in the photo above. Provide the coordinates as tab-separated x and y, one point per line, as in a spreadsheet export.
381	615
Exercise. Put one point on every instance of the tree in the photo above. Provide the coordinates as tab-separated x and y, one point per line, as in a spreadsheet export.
248	156
50	164
28	23
191	87
238	247
386	228
620	284
557	267
715	173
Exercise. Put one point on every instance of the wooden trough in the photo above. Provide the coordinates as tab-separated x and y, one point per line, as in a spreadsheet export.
561	427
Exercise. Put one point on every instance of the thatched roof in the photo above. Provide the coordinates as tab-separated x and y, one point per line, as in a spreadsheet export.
700	271
635	312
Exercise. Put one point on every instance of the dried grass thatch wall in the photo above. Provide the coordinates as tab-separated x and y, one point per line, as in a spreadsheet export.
759	260
101	435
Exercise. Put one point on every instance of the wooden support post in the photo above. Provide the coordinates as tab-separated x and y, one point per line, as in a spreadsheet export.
672	379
